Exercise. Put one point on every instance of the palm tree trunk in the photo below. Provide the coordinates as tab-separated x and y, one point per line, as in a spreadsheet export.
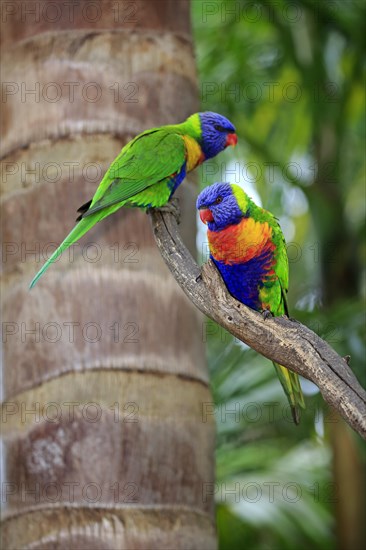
105	376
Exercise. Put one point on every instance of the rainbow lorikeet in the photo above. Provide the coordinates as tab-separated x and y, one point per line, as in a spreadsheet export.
149	169
248	248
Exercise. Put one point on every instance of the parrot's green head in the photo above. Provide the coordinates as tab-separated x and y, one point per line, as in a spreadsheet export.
214	132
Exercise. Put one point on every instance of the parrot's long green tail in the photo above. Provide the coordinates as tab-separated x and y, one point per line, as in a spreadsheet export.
291	384
79	230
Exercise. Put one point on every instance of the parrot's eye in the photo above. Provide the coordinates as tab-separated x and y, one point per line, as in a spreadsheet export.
219	128
218	200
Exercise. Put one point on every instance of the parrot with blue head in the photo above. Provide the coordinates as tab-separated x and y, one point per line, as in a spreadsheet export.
149	169
248	248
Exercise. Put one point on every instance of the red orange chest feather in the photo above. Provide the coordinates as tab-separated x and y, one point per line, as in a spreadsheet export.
241	242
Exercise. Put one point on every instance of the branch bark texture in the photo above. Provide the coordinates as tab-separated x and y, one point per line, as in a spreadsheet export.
280	339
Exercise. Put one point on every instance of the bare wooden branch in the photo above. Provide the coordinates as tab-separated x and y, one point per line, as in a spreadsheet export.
280	339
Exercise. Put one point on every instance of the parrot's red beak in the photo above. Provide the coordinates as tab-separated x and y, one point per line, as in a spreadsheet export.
231	139
206	215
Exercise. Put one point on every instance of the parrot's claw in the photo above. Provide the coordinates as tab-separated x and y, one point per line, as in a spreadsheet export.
266	314
172	207
347	358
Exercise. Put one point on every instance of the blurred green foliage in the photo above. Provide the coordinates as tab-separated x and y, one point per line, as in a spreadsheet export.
290	75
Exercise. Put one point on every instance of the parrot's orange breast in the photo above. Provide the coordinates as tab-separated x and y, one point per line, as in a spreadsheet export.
240	243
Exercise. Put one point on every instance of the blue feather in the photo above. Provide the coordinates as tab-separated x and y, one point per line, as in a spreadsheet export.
244	280
174	182
213	141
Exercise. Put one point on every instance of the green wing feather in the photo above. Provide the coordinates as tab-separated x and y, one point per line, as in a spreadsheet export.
289	380
149	159
79	230
291	385
146	162
274	294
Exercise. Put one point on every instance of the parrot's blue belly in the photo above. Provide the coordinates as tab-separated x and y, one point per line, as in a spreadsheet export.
244	280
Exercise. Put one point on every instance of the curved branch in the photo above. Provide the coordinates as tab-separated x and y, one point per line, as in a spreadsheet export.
280	339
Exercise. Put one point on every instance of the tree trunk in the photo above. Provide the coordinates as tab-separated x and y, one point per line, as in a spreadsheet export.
105	375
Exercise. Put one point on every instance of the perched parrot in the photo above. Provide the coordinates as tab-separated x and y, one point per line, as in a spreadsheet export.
149	169
248	248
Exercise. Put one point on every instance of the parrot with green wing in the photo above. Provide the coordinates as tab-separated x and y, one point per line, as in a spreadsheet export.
149	169
249	250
